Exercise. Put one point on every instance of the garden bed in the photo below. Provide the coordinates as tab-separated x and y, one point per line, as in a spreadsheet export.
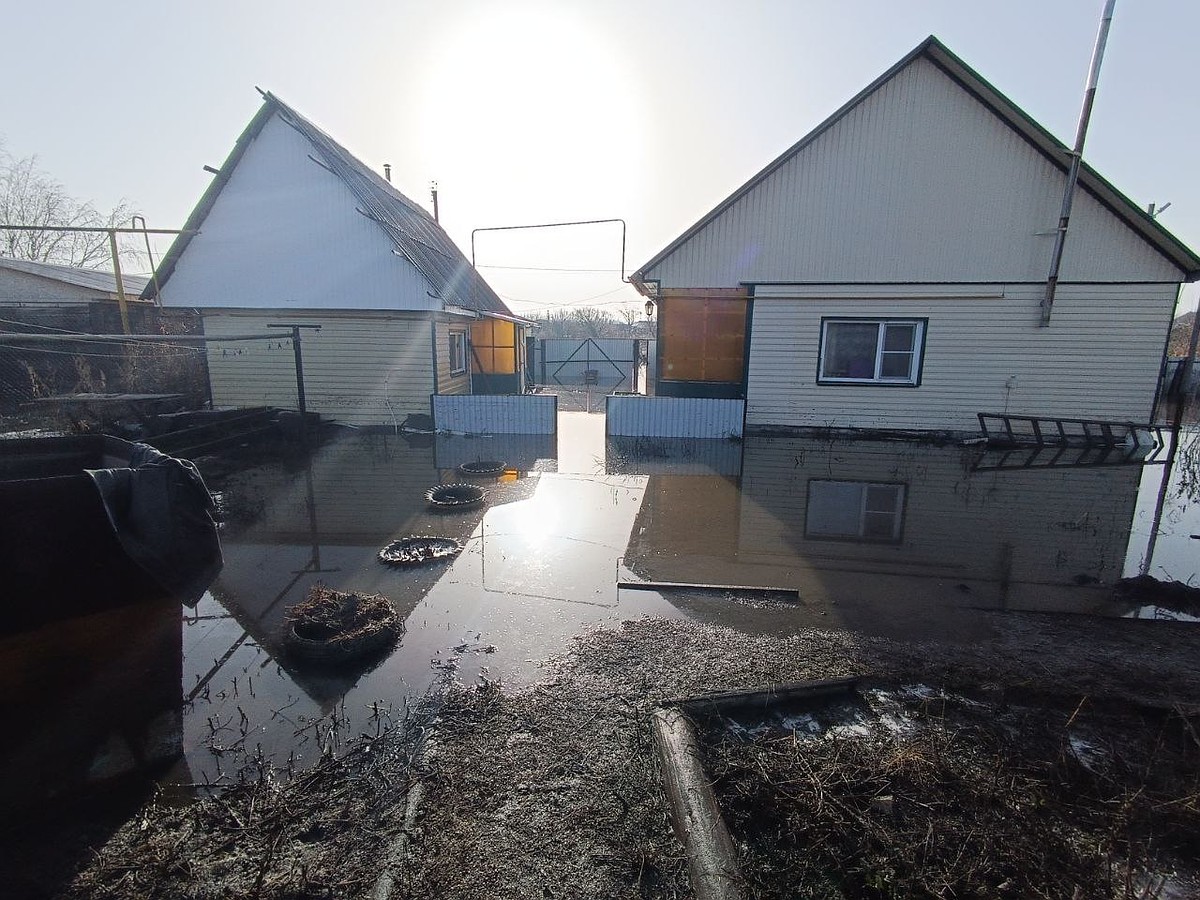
913	791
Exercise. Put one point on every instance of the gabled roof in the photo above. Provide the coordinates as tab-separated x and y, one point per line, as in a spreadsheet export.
413	232
92	279
1053	149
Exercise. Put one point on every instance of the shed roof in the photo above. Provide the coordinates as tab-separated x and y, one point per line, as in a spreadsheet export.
1132	215
412	231
93	279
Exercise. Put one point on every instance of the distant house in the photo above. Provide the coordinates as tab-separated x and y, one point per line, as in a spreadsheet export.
888	271
27	283
294	229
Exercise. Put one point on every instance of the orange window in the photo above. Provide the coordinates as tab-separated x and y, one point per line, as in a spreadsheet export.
703	338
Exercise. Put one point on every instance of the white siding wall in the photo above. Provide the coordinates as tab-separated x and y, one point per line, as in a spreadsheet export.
285	233
919	182
1099	358
446	382
361	369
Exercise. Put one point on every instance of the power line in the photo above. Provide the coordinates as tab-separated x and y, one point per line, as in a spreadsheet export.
545	305
176	351
549	269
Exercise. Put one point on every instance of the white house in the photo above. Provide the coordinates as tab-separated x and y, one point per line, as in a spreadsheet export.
295	230
888	271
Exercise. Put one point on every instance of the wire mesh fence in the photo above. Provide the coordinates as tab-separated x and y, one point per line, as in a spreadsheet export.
56	374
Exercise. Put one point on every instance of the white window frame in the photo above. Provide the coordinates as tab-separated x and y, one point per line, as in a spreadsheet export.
912	379
460	338
901	493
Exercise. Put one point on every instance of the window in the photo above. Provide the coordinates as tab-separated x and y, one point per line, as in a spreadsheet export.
458	352
494	344
876	351
854	510
703	338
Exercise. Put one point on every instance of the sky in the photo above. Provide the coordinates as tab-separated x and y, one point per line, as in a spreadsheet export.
530	111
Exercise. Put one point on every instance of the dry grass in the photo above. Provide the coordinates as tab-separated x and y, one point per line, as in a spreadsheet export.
319	834
973	800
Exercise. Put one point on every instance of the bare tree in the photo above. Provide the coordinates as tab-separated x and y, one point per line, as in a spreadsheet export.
30	196
593	322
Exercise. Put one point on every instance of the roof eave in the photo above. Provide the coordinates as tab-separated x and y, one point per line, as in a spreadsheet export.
197	216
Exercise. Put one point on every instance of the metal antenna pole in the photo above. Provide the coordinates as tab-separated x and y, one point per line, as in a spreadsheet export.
1085	116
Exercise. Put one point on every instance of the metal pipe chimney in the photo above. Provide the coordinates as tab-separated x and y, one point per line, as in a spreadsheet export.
387	172
433	193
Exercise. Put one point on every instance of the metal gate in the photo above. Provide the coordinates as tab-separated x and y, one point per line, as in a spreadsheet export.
606	363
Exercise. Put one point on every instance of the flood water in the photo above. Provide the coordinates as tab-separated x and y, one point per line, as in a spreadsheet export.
883	537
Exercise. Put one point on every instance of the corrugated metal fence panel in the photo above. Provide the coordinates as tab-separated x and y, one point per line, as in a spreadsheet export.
488	414
692	417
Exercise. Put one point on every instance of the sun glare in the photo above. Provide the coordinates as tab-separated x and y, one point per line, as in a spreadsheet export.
524	100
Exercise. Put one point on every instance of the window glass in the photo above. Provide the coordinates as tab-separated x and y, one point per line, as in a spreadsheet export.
880	351
850	349
458	352
895	365
899	337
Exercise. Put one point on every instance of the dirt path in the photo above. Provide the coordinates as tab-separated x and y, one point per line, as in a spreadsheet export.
553	791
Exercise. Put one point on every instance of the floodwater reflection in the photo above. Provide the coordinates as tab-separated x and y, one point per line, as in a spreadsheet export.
880	535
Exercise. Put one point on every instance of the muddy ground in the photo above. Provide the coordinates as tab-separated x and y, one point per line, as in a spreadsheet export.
554	791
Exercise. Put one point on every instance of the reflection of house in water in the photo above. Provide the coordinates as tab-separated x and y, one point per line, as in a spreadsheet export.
326	523
896	524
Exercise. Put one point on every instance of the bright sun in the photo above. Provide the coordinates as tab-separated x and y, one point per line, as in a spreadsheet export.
522	100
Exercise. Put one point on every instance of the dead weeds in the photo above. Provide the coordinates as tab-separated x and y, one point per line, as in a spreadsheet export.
554	791
320	834
969	799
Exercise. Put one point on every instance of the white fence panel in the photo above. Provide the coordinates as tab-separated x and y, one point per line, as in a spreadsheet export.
693	417
496	414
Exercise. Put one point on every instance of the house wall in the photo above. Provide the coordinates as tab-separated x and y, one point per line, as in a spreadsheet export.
448	383
918	182
1099	358
21	287
286	233
362	368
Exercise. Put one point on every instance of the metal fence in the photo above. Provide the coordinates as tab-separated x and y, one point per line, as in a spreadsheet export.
72	365
612	364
